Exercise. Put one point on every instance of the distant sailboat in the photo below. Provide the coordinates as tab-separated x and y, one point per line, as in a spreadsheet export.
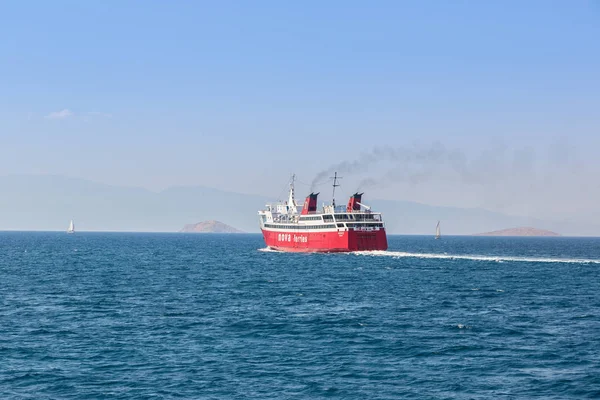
438	233
71	227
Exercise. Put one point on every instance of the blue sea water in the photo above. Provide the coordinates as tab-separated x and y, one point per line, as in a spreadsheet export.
123	316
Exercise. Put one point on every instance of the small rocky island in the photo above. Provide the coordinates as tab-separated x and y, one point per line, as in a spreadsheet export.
209	227
521	231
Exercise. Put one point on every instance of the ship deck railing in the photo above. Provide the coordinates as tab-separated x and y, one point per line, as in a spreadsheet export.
285	220
341	211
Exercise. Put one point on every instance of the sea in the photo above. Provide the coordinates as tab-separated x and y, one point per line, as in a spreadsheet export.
192	316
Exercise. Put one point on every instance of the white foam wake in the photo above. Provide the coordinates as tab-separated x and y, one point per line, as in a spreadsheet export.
269	250
402	254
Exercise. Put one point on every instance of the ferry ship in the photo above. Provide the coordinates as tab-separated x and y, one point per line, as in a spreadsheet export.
353	227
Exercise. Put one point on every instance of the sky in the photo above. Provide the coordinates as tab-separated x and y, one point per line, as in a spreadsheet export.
491	104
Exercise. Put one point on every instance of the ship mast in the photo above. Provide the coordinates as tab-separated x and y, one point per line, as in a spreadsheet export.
335	184
292	198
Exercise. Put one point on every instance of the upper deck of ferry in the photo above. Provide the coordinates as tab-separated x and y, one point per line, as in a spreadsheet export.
289	212
322	216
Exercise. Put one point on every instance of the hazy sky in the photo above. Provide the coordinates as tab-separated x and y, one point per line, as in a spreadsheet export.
491	104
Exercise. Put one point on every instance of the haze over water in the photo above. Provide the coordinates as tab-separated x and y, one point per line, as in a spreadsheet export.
96	315
490	105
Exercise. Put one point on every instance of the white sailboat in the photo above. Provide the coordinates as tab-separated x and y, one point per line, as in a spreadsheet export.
438	233
71	227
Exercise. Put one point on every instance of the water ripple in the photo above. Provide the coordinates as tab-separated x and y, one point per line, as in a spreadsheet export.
182	316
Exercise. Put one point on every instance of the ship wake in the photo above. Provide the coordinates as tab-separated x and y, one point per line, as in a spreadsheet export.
402	254
269	250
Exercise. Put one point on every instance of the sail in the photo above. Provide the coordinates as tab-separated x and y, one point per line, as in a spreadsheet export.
71	227
438	233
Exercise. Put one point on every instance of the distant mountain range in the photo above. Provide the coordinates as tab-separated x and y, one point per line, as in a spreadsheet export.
42	202
522	231
209	227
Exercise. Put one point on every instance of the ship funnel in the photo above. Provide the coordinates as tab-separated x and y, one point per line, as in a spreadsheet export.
310	204
354	202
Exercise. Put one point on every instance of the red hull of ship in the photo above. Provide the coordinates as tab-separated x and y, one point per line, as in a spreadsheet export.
327	242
